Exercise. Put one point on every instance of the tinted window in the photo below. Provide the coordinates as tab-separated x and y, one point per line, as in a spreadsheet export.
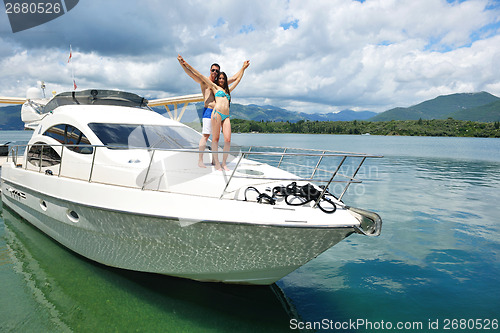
70	136
146	136
57	133
41	152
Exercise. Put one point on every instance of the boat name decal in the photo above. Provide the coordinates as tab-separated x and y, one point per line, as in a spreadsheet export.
18	195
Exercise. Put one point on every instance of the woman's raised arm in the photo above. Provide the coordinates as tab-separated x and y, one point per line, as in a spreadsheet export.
239	75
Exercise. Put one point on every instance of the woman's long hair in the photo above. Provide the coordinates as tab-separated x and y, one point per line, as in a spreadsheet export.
226	85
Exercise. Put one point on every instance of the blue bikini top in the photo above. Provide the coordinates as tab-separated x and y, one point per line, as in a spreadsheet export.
221	93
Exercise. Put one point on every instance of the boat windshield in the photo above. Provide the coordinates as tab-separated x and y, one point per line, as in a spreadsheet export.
124	136
96	97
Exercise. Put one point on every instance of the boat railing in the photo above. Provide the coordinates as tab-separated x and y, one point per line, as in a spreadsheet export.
309	165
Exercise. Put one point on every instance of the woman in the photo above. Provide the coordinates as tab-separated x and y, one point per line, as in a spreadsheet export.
220	114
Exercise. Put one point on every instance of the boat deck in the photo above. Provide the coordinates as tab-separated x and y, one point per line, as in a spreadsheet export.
3	159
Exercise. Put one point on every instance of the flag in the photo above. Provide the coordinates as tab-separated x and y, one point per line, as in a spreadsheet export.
70	53
72	70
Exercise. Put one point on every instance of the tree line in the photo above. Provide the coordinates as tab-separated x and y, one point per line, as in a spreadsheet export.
434	127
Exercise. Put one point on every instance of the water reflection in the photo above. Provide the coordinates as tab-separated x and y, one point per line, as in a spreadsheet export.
72	293
438	255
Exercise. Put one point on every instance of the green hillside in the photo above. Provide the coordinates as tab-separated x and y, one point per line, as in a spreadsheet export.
443	107
262	113
399	114
485	113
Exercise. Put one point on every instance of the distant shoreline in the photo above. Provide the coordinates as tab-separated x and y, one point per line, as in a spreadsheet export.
435	127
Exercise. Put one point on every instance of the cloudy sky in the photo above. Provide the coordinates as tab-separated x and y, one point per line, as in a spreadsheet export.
310	56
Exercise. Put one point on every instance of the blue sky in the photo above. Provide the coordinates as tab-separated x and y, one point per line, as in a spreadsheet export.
311	56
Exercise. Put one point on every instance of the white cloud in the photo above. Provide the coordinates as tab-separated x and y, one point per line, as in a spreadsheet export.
313	56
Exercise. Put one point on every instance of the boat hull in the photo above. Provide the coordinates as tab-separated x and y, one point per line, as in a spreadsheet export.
204	250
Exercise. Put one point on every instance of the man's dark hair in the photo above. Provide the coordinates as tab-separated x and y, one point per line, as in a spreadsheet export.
215	65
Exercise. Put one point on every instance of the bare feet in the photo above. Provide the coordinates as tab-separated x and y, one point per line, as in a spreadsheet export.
201	164
225	167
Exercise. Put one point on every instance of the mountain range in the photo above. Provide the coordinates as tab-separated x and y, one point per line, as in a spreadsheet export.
273	113
481	106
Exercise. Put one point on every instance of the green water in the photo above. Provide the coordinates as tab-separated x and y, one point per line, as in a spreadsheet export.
44	285
437	261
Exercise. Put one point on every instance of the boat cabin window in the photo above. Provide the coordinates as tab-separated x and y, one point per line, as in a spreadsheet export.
123	136
43	154
71	137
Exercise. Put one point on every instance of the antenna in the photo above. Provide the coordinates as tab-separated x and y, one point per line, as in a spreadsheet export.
42	85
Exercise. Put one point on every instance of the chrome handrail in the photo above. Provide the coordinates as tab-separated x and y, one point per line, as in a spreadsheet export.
329	182
251	152
149	168
232	174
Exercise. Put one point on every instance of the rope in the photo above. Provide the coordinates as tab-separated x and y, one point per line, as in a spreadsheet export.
293	193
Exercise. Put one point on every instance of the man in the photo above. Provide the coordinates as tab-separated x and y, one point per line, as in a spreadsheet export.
209	104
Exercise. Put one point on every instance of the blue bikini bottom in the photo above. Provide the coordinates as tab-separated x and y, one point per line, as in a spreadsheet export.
222	116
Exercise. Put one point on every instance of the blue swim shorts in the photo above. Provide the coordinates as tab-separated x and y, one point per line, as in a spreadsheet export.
207	113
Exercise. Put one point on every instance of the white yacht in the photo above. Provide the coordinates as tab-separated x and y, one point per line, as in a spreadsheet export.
116	182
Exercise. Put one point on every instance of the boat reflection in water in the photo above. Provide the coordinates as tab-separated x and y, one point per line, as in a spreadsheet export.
73	293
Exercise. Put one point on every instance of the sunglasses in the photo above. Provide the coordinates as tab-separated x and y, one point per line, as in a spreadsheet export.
214	70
